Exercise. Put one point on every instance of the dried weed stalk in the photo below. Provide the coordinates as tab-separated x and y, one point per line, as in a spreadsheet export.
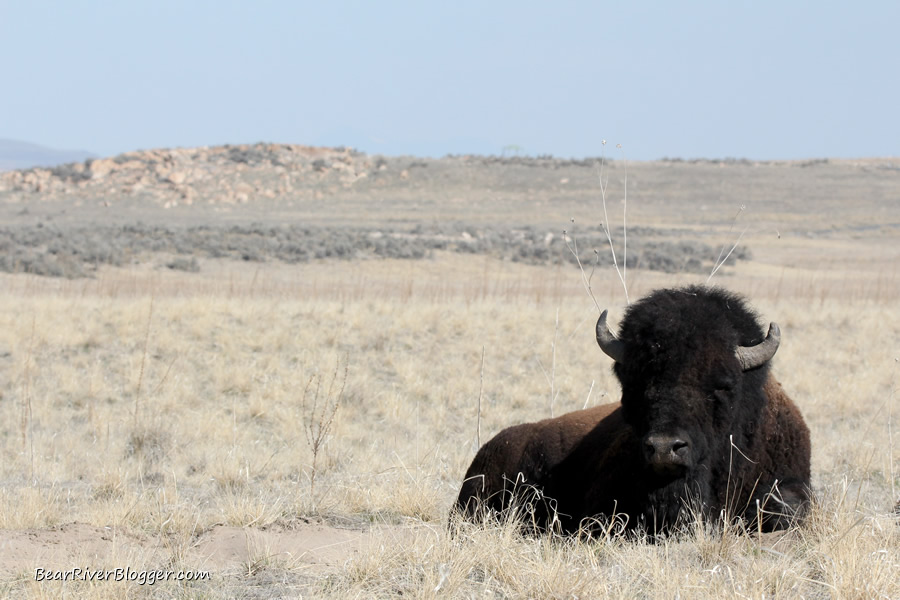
891	436
572	244
137	391
551	377
480	397
318	411
603	185
27	420
721	260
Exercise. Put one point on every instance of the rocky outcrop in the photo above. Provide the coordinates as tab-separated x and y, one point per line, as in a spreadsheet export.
231	174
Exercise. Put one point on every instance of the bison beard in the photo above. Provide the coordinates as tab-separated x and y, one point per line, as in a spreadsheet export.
702	430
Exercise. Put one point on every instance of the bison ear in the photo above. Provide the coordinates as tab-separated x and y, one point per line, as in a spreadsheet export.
751	357
609	343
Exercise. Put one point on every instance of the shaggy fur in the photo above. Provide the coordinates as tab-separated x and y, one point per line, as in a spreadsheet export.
749	449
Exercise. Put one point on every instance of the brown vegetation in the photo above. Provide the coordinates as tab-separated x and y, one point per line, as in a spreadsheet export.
216	474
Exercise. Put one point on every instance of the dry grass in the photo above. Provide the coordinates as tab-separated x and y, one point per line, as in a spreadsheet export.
219	370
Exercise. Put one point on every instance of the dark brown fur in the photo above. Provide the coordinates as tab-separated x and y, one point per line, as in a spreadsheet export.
750	449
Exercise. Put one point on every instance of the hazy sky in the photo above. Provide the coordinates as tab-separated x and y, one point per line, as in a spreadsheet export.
764	79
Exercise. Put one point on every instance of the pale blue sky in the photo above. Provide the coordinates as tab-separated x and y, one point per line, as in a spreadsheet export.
761	80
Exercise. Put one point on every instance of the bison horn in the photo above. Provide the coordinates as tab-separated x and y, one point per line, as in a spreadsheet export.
609	343
751	357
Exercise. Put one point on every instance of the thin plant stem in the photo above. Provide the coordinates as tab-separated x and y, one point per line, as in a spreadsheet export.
480	396
137	392
612	250
553	363
721	261
585	278
27	414
624	223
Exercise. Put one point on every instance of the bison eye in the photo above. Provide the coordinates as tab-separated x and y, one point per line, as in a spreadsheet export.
722	382
721	388
721	395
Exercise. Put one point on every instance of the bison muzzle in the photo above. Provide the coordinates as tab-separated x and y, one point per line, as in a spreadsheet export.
702	430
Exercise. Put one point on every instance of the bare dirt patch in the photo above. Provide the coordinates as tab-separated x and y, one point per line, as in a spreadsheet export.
66	546
316	547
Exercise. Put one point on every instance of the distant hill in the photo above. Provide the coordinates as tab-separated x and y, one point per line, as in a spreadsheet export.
295	203
15	154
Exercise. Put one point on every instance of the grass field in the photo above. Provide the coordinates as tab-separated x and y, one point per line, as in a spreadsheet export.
301	430
165	408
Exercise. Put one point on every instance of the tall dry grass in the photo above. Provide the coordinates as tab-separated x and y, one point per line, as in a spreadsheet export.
219	368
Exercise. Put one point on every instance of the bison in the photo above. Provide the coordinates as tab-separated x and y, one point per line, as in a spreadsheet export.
702	430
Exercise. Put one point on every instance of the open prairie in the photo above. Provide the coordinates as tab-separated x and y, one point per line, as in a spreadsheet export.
300	428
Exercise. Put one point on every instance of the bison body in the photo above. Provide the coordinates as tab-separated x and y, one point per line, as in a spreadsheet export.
702	429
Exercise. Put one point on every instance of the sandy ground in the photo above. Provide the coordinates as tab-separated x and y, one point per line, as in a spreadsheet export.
314	546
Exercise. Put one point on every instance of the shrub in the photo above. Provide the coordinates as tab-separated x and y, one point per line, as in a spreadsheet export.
189	265
75	252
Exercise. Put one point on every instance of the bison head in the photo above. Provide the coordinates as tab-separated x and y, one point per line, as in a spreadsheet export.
692	363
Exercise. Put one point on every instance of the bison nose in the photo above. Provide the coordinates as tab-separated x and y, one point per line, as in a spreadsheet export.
666	451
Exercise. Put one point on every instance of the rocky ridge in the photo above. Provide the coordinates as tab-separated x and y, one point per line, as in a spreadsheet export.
294	203
217	175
